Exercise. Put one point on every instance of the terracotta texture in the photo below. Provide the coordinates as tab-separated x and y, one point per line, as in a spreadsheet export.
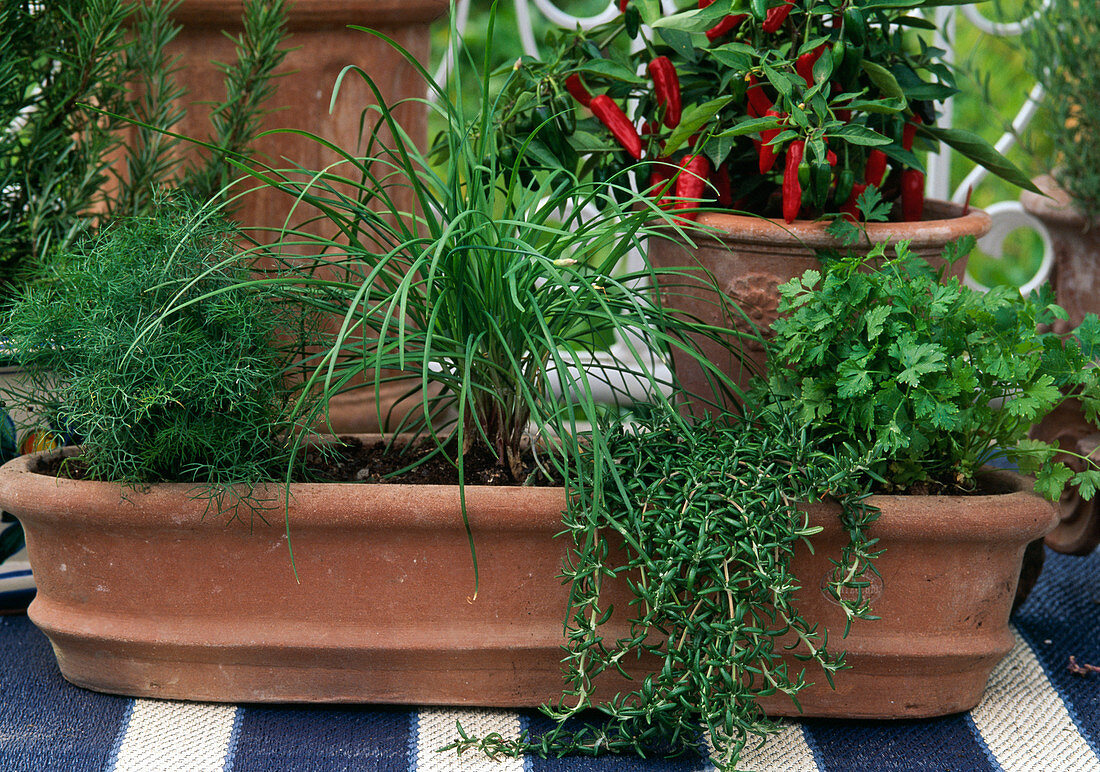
146	593
322	46
948	580
751	256
1075	278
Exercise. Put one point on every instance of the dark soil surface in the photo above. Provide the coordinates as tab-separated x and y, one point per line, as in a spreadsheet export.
358	462
354	461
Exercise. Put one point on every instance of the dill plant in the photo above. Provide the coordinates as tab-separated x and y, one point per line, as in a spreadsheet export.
196	393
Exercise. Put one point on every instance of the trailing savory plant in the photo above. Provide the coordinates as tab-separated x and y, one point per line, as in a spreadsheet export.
929	377
707	519
196	393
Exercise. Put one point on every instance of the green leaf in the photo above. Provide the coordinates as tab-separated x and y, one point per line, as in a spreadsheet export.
1050	482
752	126
694	118
856	134
854	380
1087	483
884	79
875	319
607	68
982	153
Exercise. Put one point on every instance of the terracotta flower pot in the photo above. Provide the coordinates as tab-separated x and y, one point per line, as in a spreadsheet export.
1074	277
323	45
750	257
147	593
946	586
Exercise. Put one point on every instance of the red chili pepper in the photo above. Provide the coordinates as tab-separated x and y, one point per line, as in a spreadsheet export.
830	158
611	116
724	185
759	104
876	168
909	133
666	87
912	195
792	188
724	27
765	151
659	186
622	5
691	182
575	86
776	16
849	208
805	64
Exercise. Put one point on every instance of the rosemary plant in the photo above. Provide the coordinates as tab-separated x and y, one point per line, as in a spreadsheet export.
1062	46
59	59
153	159
197	394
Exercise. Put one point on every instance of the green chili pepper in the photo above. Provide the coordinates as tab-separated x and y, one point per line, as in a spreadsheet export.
845	179
821	179
855	28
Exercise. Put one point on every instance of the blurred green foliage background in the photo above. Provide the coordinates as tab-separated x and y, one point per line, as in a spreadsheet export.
992	77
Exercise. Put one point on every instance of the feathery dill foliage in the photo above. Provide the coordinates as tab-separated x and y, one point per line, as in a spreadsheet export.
59	57
1062	47
883	355
195	393
709	521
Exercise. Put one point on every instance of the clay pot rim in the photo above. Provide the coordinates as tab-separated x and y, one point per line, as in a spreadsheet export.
1055	206
944	222
439	506
1019	514
316	14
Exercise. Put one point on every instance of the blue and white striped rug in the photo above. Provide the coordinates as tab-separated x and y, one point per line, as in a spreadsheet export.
1037	716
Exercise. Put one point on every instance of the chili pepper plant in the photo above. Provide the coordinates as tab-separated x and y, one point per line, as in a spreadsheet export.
790	108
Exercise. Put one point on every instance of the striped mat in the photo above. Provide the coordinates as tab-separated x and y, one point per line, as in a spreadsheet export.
1037	716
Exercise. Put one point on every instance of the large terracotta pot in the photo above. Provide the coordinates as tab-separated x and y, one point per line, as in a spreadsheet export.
1075	278
946	586
147	593
749	257
322	46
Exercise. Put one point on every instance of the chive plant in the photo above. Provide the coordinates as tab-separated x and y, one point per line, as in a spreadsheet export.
495	292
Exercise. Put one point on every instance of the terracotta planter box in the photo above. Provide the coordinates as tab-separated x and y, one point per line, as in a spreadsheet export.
749	257
145	593
948	580
321	46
